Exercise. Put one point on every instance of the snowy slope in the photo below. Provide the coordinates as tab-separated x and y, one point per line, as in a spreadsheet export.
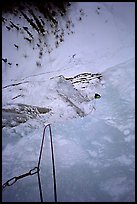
99	41
94	152
95	45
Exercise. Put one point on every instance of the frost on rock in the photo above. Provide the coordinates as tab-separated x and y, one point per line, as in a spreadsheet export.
71	91
64	96
20	113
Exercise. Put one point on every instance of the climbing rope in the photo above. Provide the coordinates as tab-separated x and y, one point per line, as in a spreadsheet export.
53	163
36	170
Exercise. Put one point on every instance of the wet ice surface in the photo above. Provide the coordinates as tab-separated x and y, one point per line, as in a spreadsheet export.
94	155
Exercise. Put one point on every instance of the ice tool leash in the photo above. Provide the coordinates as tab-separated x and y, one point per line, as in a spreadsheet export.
36	170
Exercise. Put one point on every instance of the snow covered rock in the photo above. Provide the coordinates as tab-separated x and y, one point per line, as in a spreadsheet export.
14	114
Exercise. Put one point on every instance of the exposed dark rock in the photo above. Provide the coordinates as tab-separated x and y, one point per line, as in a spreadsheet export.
16	46
14	25
5	60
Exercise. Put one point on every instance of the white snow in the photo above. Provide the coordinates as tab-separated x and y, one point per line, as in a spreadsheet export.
93	138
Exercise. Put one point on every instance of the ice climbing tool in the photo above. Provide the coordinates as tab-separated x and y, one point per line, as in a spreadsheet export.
97	96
